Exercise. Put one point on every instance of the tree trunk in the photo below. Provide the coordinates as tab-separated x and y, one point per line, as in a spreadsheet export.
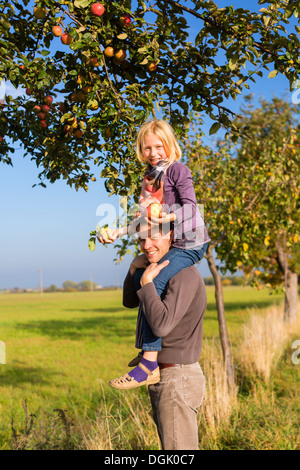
221	319
290	284
291	297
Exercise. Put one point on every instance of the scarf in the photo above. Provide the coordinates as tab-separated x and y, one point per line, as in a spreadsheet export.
153	185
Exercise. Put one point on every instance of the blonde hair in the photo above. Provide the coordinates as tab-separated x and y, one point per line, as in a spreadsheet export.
165	132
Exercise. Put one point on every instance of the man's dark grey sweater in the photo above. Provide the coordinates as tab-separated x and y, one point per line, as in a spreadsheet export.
177	317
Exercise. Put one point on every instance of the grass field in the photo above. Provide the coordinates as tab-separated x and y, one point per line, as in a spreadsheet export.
59	345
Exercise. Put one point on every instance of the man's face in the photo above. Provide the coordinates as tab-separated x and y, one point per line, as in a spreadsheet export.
155	244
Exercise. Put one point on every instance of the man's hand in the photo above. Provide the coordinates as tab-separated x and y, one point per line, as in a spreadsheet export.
152	271
138	263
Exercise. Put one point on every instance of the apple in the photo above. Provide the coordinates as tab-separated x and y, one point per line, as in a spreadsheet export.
39	12
29	91
48	100
94	62
43	124
78	133
1	139
120	55
154	210
104	232
109	51
41	116
97	9
66	39
57	30
45	108
125	21
87	89
37	109
152	66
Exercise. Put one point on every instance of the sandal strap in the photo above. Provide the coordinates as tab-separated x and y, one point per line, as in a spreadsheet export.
124	379
145	369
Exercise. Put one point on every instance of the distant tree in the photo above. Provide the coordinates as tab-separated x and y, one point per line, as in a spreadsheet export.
69	285
86	285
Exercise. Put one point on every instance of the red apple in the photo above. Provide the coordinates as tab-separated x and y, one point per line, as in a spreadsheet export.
29	91
37	109
94	62
78	133
57	30
152	66
66	39
45	108
1	138
43	124
125	21
41	116
154	210
97	9
48	100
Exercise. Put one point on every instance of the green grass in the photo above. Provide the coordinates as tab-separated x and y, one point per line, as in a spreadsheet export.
59	345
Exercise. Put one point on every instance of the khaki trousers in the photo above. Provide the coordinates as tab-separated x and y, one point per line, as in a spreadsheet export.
175	400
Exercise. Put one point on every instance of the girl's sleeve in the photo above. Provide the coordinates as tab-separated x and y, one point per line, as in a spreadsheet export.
182	179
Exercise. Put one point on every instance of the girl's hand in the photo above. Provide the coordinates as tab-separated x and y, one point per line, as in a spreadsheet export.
164	219
152	271
138	263
108	235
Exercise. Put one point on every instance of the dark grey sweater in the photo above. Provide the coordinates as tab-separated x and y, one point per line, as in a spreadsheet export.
177	317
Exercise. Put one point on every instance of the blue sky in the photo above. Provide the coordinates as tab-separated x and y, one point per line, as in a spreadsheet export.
49	228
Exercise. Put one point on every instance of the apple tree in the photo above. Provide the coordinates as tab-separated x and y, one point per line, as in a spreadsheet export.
90	73
271	152
251	198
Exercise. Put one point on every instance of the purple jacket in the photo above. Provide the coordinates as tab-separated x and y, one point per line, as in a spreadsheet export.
179	197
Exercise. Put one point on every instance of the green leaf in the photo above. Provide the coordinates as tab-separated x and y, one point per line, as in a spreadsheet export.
82	3
92	244
214	128
45	52
122	36
273	74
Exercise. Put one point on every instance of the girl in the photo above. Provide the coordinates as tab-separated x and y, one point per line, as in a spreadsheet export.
169	183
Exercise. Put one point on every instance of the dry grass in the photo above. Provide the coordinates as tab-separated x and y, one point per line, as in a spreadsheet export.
218	401
126	424
264	339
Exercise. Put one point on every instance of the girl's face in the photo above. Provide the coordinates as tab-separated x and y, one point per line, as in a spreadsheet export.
153	149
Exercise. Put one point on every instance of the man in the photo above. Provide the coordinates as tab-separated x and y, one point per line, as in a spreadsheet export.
177	317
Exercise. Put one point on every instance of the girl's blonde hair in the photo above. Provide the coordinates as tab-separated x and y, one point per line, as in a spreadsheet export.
165	132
